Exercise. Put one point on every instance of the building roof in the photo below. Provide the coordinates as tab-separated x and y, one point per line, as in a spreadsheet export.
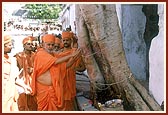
19	12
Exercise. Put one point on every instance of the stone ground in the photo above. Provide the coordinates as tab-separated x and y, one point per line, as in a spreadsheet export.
83	93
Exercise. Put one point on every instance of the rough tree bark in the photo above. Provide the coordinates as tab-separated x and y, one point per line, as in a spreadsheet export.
100	38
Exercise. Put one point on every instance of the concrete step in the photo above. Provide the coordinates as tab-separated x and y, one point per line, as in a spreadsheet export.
85	104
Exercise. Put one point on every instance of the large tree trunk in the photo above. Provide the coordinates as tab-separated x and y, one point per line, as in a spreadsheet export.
100	38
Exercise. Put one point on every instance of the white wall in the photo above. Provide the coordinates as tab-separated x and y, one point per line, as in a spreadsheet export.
119	14
157	61
72	17
68	17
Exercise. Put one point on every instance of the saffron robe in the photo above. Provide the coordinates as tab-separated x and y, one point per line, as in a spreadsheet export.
49	98
9	92
69	82
26	102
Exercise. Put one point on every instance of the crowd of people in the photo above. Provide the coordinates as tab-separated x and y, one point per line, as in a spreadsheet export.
43	76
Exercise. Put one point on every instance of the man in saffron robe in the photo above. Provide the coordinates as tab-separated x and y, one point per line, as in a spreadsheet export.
46	84
25	61
69	78
10	72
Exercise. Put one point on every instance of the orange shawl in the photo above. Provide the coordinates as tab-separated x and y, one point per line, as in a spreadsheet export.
25	61
44	61
69	79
